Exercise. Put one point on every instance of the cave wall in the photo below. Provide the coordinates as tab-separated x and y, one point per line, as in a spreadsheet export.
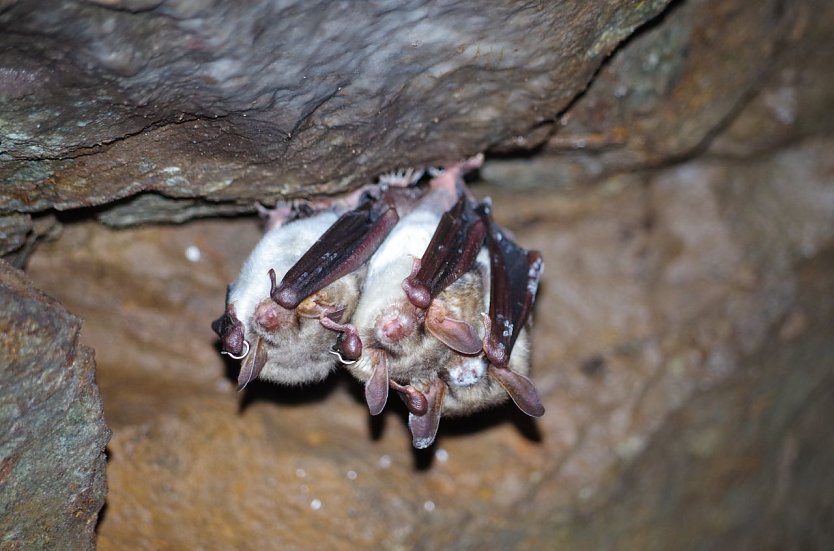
671	160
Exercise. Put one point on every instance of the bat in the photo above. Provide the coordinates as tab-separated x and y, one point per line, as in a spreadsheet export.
450	368
284	332
419	292
408	321
466	384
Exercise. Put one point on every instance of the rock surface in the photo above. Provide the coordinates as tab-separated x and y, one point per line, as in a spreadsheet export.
663	292
259	100
52	479
683	202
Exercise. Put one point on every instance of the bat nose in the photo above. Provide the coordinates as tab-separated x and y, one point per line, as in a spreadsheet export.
271	317
395	327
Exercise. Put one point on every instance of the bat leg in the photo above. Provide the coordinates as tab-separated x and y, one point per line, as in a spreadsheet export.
452	175
350	346
415	401
252	365
424	427
521	390
459	335
376	389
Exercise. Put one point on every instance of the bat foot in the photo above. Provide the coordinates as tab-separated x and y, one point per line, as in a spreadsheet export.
275	217
452	176
400	177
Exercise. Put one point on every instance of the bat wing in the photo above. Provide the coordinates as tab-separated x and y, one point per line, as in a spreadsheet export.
343	248
449	255
515	274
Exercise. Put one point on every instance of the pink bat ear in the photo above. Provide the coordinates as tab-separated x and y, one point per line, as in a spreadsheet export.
424	427
376	389
252	365
520	389
460	336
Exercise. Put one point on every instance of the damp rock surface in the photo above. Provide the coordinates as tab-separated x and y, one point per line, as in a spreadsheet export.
52	466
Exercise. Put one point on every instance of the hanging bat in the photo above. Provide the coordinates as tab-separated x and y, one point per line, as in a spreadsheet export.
505	278
284	332
408	321
441	370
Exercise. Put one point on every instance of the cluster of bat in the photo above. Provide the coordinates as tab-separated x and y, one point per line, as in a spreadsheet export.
397	290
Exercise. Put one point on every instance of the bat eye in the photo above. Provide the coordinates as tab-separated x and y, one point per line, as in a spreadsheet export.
243	355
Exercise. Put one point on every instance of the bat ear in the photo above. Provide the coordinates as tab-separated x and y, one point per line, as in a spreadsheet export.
424	427
460	336
520	389
252	365
376	389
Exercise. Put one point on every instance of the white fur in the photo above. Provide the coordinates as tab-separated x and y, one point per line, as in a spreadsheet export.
392	263
279	249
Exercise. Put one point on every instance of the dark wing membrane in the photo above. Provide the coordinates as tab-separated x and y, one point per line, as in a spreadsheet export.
450	254
515	274
343	248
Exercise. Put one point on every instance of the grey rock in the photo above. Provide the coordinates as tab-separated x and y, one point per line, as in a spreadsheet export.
259	100
52	477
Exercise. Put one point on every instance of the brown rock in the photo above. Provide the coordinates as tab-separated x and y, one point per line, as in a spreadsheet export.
667	282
